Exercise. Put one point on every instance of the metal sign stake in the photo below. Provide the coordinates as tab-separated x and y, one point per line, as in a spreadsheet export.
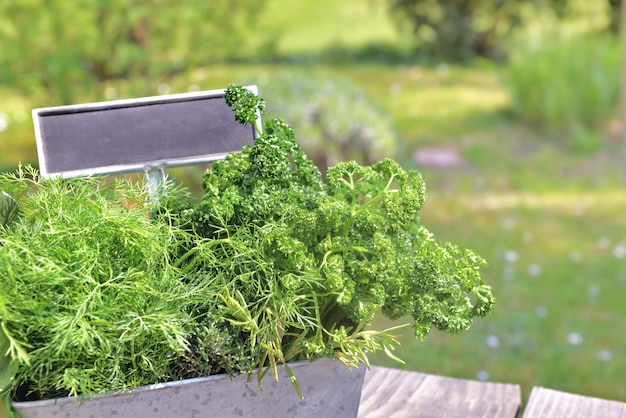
155	179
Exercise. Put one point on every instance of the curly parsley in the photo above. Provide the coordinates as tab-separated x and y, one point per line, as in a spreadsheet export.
303	264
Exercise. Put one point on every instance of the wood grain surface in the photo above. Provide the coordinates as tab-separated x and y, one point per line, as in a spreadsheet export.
552	403
391	393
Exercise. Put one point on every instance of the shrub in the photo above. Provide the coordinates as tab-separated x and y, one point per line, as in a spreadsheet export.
72	46
565	84
463	29
335	119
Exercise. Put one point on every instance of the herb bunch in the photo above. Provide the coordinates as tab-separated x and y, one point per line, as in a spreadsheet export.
90	302
301	265
274	264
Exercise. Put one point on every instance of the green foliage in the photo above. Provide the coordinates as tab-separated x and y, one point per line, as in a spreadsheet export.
303	265
9	210
462	29
566	84
335	119
8	369
247	107
66	48
89	303
274	264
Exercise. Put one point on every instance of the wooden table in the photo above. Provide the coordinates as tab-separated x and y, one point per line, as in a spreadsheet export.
392	393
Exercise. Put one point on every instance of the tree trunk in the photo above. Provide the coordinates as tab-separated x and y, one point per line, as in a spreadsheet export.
615	15
622	113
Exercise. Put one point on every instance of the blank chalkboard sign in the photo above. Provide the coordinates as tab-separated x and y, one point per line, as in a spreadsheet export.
144	134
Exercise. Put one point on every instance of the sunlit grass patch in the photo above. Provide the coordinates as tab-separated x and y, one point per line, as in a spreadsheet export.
314	26
435	103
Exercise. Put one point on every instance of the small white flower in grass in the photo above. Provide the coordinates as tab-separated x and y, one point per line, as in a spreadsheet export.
508	223
620	250
603	243
541	311
534	269
164	88
395	90
4	122
593	290
509	273
110	93
482	375
605	355
493	341
510	256
527	238
574	256
574	338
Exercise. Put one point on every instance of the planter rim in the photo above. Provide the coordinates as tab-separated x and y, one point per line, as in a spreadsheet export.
23	405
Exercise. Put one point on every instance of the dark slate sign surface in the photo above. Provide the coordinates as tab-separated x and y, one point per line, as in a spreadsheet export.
137	134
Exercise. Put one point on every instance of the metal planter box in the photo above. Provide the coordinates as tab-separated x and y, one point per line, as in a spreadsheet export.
330	390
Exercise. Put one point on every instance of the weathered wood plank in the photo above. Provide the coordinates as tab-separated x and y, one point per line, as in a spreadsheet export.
552	403
391	393
386	392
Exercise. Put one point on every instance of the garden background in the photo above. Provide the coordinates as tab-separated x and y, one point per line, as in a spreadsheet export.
508	108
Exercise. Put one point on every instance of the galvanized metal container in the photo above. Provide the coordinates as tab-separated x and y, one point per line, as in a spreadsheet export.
330	390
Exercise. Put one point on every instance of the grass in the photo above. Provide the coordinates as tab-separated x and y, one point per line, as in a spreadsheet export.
549	219
321	25
545	96
558	271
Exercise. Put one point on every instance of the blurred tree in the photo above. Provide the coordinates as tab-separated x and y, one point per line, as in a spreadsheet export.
614	22
460	29
65	47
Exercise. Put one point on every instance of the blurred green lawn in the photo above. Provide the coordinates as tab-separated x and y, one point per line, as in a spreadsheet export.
557	266
549	221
